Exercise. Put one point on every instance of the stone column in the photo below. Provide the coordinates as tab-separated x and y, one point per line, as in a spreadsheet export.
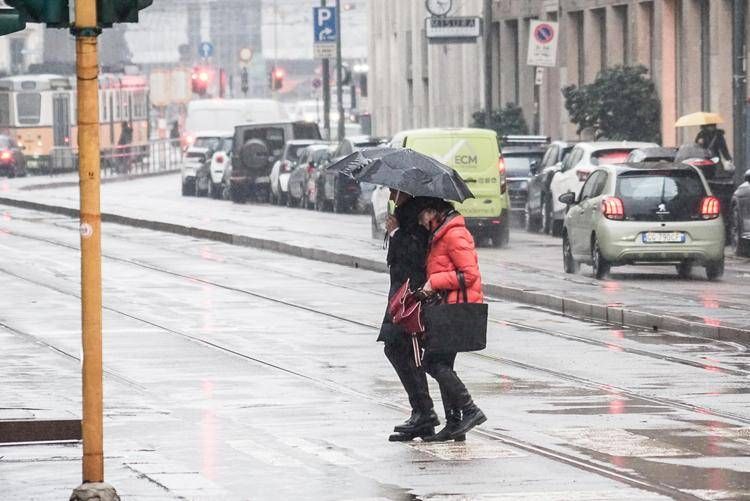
689	63
721	64
666	68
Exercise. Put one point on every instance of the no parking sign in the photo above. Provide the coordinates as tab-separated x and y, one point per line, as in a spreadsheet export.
543	37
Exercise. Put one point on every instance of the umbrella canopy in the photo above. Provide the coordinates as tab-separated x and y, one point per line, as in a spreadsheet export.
416	174
357	160
699	118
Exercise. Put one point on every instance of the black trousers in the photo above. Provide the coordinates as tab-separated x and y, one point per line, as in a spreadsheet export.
398	350
452	389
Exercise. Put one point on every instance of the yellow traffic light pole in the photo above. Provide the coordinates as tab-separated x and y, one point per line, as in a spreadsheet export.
87	73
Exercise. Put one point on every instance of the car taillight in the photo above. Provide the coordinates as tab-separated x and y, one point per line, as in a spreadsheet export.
710	208
699	162
219	159
6	155
310	168
583	175
285	166
189	140
612	208
501	172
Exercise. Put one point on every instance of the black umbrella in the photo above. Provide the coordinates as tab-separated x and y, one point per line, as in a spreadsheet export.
414	173
353	162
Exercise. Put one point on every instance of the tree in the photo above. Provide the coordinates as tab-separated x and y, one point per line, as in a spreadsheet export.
621	104
504	121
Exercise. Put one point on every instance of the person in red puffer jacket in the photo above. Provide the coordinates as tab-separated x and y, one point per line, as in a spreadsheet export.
451	250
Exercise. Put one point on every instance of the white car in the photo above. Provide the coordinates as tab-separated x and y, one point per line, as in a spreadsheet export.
282	169
582	160
207	179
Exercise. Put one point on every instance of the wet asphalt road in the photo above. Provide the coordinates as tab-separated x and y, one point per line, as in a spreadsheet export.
533	262
240	374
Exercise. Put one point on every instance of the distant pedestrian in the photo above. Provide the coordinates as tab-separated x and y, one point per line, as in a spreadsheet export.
407	250
451	251
174	132
711	138
126	134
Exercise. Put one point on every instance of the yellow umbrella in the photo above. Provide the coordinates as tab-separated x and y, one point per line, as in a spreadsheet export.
699	118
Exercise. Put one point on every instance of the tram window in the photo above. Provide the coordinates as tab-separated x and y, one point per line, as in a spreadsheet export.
5	110
29	106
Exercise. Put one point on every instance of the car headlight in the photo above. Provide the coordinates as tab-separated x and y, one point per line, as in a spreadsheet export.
523	185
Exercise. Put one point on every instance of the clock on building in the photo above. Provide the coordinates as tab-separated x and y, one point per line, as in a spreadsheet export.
439	7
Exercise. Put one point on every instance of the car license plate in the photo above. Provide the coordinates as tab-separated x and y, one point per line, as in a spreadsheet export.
664	237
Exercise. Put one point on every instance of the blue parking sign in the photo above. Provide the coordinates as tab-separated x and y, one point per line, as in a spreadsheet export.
324	24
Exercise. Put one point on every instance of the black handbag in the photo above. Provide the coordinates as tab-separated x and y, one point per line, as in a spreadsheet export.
452	328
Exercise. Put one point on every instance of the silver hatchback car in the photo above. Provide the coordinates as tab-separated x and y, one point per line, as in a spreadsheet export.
644	213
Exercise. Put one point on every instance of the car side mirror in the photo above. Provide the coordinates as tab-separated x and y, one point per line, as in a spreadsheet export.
568	198
534	167
747	176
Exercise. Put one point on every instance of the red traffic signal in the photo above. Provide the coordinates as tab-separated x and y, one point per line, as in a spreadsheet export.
277	78
201	79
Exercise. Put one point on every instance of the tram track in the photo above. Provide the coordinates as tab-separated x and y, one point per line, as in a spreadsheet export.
625	477
581	463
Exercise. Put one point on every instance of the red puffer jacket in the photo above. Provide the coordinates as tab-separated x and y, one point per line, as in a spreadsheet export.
452	249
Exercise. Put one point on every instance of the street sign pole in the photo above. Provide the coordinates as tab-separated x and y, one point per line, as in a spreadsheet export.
326	68
339	73
87	74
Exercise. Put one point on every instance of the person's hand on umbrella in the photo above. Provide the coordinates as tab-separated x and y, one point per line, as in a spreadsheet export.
391	224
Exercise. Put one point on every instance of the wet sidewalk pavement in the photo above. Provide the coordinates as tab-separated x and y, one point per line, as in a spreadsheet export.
529	271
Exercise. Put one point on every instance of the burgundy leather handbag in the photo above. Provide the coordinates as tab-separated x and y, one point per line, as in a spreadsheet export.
406	310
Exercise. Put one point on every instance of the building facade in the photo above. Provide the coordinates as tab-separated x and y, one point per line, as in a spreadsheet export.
686	45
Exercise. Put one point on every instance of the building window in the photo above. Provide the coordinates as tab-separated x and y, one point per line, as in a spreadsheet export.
621	16
600	16
577	21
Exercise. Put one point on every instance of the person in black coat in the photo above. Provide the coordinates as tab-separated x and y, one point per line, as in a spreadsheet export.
711	138
407	251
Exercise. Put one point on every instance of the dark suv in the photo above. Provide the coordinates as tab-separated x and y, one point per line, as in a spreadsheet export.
255	149
538	213
12	161
519	154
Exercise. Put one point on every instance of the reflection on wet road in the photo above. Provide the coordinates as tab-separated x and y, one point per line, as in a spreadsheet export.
258	373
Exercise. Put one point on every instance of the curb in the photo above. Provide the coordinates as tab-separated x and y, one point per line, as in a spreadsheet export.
616	315
116	179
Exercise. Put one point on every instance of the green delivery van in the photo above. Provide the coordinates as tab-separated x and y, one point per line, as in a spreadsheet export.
475	155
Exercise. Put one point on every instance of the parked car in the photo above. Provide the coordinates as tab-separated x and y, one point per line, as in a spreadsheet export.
302	180
539	200
195	171
739	219
474	153
660	154
282	169
12	161
255	149
583	159
337	192
644	214
519	154
720	180
218	164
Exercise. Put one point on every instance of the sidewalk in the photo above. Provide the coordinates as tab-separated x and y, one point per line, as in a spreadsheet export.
528	272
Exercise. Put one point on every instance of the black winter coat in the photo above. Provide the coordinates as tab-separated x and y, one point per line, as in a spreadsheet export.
407	251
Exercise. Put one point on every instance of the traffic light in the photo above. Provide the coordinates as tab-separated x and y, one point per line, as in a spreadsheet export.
11	21
119	11
244	81
53	13
201	79
277	78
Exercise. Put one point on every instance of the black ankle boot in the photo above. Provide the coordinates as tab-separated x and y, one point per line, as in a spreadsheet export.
452	420
422	432
421	419
471	416
408	423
